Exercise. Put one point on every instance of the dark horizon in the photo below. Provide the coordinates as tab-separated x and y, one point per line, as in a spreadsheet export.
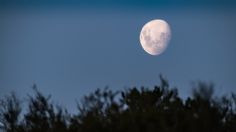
131	110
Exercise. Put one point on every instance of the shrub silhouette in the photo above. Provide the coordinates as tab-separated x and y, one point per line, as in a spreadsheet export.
132	110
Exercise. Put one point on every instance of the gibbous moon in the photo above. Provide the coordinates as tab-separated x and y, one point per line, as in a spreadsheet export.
155	36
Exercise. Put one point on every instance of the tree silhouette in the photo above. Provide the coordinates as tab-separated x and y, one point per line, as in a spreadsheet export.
10	110
134	109
42	115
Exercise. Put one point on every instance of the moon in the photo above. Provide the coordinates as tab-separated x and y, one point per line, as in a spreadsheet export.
155	36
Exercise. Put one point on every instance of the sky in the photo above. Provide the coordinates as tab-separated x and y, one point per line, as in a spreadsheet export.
70	48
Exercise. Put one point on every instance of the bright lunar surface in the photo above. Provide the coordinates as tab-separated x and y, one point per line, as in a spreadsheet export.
155	36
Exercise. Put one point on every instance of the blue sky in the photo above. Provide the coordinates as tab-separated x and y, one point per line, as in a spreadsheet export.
71	48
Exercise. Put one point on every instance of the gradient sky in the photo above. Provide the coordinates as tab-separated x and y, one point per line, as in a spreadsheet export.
71	48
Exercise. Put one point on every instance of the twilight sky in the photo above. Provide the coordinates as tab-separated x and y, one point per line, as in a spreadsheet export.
71	48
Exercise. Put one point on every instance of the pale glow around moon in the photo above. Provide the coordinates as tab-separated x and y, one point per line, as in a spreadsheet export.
155	36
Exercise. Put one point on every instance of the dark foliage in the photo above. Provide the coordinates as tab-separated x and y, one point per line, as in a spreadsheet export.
133	110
